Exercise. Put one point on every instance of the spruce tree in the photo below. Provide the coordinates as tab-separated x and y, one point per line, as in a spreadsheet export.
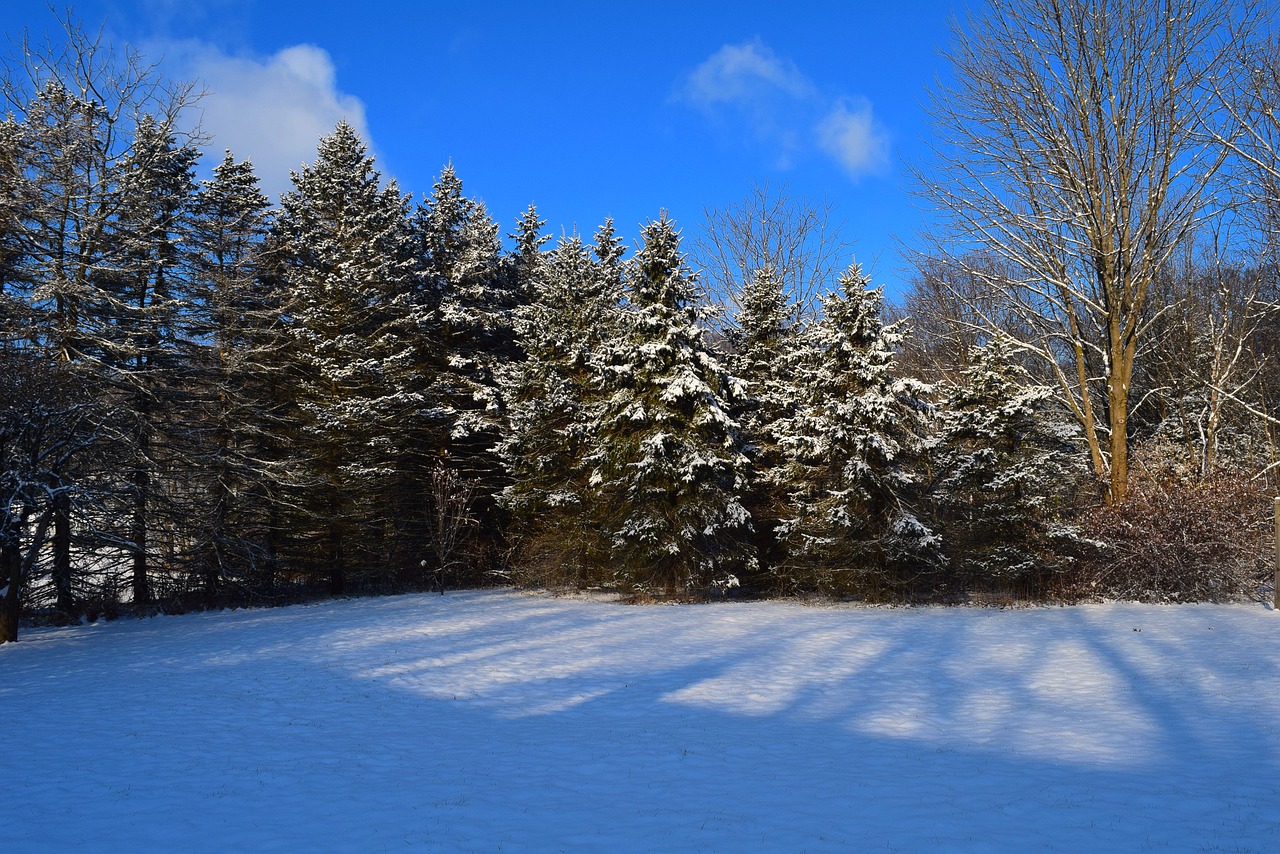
667	458
345	253
236	316
553	398
1001	466
15	196
462	254
851	446
479	291
136	314
762	341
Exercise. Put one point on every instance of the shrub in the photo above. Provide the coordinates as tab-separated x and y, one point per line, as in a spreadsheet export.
1178	537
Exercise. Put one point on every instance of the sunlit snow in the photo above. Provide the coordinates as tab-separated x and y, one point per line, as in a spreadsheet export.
486	721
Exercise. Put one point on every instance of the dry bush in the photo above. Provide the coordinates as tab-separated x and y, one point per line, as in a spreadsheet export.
551	560
1178	537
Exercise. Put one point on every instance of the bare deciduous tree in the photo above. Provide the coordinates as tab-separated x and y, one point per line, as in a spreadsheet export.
1075	144
1249	91
799	239
77	106
452	521
47	424
1205	363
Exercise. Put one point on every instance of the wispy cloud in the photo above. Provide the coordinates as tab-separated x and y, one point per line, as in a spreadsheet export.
777	104
851	134
271	110
745	73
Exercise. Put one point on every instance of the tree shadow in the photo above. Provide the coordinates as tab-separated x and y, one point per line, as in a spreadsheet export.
494	720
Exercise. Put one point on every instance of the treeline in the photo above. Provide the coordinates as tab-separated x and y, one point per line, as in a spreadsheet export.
206	399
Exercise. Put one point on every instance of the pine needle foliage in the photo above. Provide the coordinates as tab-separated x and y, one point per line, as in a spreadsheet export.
668	467
853	446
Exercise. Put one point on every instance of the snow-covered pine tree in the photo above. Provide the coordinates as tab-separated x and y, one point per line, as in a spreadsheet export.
553	397
762	340
479	292
463	255
667	458
1001	464
236	315
14	197
609	251
136	314
346	255
526	262
851	447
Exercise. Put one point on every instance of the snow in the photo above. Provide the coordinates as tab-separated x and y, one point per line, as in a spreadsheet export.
495	720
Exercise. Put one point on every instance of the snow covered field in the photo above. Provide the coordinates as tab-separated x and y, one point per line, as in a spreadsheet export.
498	721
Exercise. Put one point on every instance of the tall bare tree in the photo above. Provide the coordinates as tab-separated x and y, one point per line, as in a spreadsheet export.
1077	144
1208	358
1249	91
797	238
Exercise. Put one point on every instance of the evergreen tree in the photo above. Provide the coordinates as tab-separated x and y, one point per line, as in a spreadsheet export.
463	256
527	261
479	292
667	459
346	255
1001	464
553	397
235	316
14	198
850	447
762	342
136	310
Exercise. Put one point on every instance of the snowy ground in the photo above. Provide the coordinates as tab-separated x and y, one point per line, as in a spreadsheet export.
487	721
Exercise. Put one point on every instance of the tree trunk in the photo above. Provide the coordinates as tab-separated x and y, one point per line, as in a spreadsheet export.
141	502
138	534
337	575
62	553
1118	416
15	567
11	576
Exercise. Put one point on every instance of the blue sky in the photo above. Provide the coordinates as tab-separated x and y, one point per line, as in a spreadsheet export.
587	110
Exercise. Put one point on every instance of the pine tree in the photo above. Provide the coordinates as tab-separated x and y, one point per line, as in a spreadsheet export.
479	292
136	312
527	261
15	196
667	459
1001	463
235	316
850	527
463	255
346	255
762	342
553	397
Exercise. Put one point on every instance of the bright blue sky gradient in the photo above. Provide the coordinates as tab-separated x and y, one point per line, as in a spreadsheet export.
587	110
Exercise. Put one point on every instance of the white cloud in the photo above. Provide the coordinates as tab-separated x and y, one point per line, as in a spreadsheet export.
851	134
741	73
779	106
273	111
